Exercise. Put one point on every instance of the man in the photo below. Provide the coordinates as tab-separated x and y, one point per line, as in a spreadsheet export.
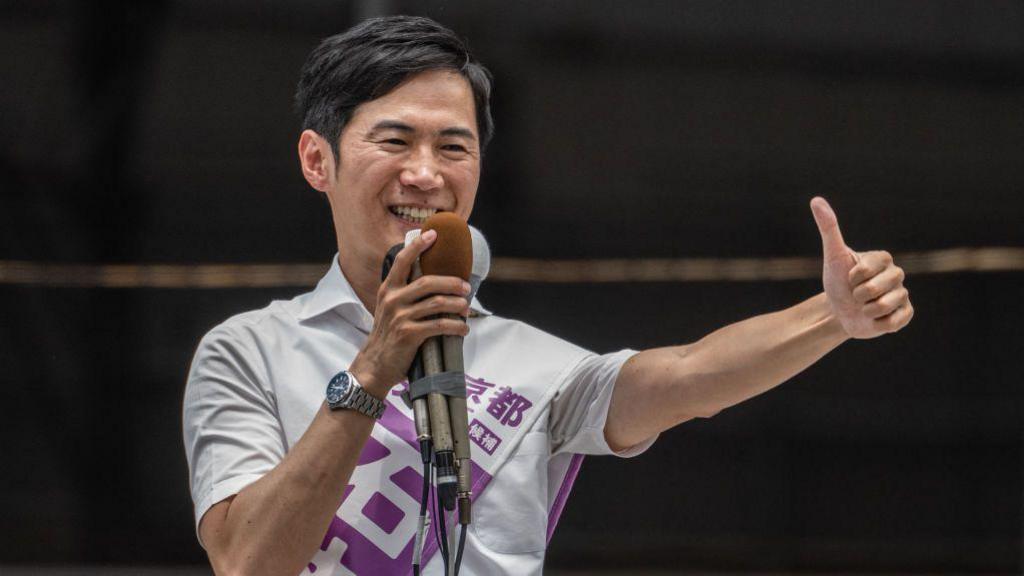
396	116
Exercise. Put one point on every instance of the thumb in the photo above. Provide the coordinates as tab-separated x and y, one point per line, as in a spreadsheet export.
828	226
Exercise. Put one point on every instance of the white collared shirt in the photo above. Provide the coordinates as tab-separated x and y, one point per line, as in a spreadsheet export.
258	379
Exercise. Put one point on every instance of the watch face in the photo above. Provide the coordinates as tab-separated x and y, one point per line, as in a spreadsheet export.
338	388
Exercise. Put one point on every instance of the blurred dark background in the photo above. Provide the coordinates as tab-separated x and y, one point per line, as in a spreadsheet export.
162	132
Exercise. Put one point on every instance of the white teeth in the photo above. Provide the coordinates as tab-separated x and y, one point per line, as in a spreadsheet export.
413	213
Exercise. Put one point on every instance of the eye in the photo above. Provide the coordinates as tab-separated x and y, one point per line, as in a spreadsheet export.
454	148
394	141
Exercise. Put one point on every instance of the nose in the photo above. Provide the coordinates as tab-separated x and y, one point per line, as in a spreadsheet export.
422	171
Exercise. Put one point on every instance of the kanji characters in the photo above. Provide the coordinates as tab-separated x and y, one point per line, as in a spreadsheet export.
508	407
475	388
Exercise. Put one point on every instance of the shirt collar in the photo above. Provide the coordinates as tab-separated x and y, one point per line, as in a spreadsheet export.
333	292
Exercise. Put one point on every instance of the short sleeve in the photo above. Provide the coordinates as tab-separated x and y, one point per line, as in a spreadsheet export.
231	430
580	407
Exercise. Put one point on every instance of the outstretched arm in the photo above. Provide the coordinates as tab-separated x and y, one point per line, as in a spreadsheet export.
657	389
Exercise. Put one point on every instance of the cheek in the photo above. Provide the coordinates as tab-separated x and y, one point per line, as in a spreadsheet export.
468	184
466	179
365	178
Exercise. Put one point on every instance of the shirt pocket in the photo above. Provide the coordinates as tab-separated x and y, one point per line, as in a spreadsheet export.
516	519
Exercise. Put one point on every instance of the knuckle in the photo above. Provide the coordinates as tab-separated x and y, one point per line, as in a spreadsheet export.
387	300
410	334
873	291
403	260
892	298
441	303
898	323
402	329
866	293
886	255
401	318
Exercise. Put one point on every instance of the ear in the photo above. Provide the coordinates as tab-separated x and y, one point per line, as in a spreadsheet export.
317	160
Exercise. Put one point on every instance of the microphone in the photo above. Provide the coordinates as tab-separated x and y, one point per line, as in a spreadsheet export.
459	250
453	360
481	259
421	418
481	262
450	255
434	358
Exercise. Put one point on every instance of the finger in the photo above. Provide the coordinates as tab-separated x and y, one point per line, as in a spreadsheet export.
423	329
832	243
402	268
887	303
895	321
886	281
425	286
870	265
438	304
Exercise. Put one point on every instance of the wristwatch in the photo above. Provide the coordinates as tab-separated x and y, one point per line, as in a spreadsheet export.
345	393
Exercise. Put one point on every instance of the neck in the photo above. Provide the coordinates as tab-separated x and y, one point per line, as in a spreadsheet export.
364	279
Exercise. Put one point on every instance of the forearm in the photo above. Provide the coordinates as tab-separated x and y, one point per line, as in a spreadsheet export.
660	388
275	525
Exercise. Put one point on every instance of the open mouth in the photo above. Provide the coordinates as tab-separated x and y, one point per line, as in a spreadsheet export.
413	214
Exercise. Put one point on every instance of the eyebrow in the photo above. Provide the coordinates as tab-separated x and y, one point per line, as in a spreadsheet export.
403	127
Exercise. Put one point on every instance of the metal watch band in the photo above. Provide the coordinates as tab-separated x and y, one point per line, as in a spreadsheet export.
362	401
345	393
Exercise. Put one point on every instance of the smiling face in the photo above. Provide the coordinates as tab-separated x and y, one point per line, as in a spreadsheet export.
403	156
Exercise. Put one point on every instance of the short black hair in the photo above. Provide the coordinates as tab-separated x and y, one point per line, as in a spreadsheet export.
371	59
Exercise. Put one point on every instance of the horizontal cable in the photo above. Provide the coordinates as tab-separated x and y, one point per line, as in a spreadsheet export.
200	276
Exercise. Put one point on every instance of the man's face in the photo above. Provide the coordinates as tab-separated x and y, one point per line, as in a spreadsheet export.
404	156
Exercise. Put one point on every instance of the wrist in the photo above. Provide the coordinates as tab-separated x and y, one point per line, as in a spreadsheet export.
368	379
828	319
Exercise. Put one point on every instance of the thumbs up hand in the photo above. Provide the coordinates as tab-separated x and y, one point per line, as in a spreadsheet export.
865	289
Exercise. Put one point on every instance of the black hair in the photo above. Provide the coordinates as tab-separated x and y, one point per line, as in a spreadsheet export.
371	59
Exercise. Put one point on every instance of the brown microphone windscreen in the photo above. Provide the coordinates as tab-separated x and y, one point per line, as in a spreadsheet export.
452	252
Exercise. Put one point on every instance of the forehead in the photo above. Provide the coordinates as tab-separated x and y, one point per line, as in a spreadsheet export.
431	100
